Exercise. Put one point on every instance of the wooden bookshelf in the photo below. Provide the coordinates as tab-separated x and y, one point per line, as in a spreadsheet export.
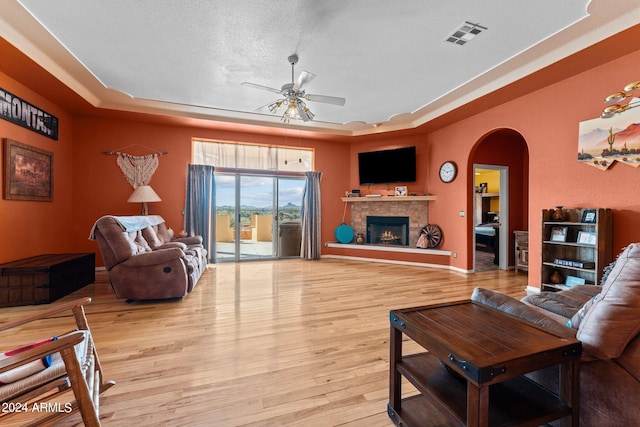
574	247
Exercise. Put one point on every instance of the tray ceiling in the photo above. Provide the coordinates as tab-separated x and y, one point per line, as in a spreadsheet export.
390	60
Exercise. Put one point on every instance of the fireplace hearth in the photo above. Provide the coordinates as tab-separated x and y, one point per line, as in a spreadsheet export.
388	230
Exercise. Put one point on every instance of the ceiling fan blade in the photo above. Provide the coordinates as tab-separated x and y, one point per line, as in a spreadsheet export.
304	78
326	99
257	86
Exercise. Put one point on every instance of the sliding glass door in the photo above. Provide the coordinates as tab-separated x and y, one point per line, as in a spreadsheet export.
257	217
226	217
256	211
289	225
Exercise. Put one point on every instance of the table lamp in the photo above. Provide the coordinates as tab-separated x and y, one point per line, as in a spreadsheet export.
144	194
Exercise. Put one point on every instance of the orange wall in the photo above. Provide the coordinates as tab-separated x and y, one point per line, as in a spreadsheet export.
28	228
89	184
548	120
504	147
385	141
101	189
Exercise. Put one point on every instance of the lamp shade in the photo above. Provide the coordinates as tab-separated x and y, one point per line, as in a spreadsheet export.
144	194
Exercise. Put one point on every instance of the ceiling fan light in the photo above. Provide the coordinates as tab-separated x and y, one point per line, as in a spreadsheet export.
309	114
273	107
304	113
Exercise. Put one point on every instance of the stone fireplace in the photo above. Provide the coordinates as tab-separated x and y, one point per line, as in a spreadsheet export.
388	230
414	208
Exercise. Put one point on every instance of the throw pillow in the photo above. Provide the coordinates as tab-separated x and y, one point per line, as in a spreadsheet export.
141	244
577	318
518	309
163	233
27	369
608	268
151	237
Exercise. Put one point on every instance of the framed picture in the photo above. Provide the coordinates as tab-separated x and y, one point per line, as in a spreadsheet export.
589	216
28	172
573	280
401	190
559	234
587	237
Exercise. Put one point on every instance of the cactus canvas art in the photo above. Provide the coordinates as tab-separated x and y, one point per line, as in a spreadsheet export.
603	142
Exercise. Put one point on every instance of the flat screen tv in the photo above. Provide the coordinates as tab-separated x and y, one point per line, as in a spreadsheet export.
387	166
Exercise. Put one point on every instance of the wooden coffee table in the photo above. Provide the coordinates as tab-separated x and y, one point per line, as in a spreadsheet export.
485	352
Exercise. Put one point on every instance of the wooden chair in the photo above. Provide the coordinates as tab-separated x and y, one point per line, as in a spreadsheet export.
75	367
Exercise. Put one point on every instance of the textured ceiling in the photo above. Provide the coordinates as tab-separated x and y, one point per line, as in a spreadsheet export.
388	59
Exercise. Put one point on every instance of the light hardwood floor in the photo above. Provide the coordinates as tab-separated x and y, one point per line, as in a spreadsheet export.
269	343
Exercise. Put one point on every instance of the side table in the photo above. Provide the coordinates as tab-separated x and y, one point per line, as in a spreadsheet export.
473	371
521	256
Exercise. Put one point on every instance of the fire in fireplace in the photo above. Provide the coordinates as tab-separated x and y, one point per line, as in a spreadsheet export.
388	230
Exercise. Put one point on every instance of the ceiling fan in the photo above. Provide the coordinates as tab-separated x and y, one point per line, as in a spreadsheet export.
295	96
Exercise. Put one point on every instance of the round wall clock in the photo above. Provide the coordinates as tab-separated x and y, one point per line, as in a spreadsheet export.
448	171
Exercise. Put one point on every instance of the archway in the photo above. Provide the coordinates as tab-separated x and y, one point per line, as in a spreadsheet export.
503	203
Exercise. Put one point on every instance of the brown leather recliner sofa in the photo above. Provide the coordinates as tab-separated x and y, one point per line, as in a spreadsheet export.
145	261
606	319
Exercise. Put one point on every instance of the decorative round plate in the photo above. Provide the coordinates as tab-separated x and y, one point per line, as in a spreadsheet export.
433	234
344	233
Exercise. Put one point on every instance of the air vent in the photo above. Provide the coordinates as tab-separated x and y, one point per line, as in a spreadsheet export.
465	33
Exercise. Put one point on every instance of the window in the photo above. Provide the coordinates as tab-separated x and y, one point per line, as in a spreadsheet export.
251	157
258	197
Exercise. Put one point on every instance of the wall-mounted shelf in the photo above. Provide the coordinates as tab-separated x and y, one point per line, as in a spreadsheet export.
389	199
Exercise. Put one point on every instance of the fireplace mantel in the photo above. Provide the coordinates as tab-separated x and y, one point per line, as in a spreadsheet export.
389	199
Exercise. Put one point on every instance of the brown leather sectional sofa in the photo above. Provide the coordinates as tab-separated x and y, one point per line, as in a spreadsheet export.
606	319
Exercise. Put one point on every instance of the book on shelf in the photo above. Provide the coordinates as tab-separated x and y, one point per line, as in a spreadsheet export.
576	263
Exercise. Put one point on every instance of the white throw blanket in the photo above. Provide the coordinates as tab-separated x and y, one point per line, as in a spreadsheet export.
130	223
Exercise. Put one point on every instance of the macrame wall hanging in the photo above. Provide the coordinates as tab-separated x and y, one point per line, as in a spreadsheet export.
137	170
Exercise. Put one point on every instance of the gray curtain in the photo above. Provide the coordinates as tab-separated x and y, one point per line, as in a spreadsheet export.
311	217
199	215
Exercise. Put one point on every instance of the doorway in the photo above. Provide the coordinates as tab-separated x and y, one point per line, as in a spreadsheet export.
257	217
504	153
491	217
